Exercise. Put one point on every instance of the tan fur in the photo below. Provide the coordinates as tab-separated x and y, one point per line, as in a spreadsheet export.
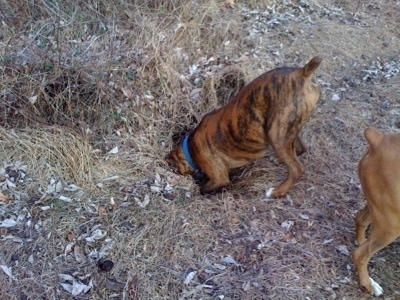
270	110
379	172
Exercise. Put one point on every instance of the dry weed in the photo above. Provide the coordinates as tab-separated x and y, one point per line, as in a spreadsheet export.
51	152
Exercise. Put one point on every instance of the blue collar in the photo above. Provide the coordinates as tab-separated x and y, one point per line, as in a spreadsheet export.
185	148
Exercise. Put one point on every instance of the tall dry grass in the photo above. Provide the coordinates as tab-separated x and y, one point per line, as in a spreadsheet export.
102	68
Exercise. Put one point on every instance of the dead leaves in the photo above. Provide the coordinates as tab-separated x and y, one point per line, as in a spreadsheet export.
70	236
74	285
7	271
4	198
343	250
102	211
10	222
380	70
96	234
10	175
90	246
229	3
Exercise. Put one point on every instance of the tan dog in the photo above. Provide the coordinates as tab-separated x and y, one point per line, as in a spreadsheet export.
379	172
270	110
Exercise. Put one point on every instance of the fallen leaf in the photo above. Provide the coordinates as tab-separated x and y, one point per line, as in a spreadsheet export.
75	287
66	277
78	253
106	248
127	92
304	217
65	199
156	189
4	198
96	235
143	203
10	184
68	248
327	241
287	224
230	260
219	266
343	249
157	180
72	188
7	271
246	285
335	97
345	280
189	277
8	223
4	231
70	236
113	150
102	211
235	220
58	187
33	99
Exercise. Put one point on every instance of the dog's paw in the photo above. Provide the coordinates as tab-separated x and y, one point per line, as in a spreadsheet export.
376	289
269	192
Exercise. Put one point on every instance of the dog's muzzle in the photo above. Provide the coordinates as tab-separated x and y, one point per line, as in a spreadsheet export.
199	177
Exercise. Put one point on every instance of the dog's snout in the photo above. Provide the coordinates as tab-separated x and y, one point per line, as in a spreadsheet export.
171	163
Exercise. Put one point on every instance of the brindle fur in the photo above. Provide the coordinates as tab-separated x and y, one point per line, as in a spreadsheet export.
270	110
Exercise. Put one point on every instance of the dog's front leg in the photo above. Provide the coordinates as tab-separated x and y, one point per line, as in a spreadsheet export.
211	187
218	177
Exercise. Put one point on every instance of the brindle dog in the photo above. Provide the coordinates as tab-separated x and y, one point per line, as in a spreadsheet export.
270	110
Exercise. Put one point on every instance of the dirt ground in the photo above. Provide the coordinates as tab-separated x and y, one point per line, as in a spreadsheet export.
93	95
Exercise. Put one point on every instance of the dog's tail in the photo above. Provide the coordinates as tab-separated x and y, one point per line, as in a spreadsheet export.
311	66
373	136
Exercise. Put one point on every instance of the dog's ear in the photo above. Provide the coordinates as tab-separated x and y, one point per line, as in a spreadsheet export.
311	66
373	136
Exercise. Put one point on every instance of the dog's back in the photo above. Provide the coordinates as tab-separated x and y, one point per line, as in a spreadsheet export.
381	164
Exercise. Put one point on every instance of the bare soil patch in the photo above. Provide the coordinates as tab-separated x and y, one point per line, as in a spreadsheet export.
93	95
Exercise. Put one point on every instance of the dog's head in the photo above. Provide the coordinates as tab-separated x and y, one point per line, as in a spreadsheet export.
177	161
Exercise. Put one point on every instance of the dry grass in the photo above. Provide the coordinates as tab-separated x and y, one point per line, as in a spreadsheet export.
51	152
78	79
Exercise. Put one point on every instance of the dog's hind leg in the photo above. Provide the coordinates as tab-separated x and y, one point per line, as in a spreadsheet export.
379	238
286	153
362	220
299	146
